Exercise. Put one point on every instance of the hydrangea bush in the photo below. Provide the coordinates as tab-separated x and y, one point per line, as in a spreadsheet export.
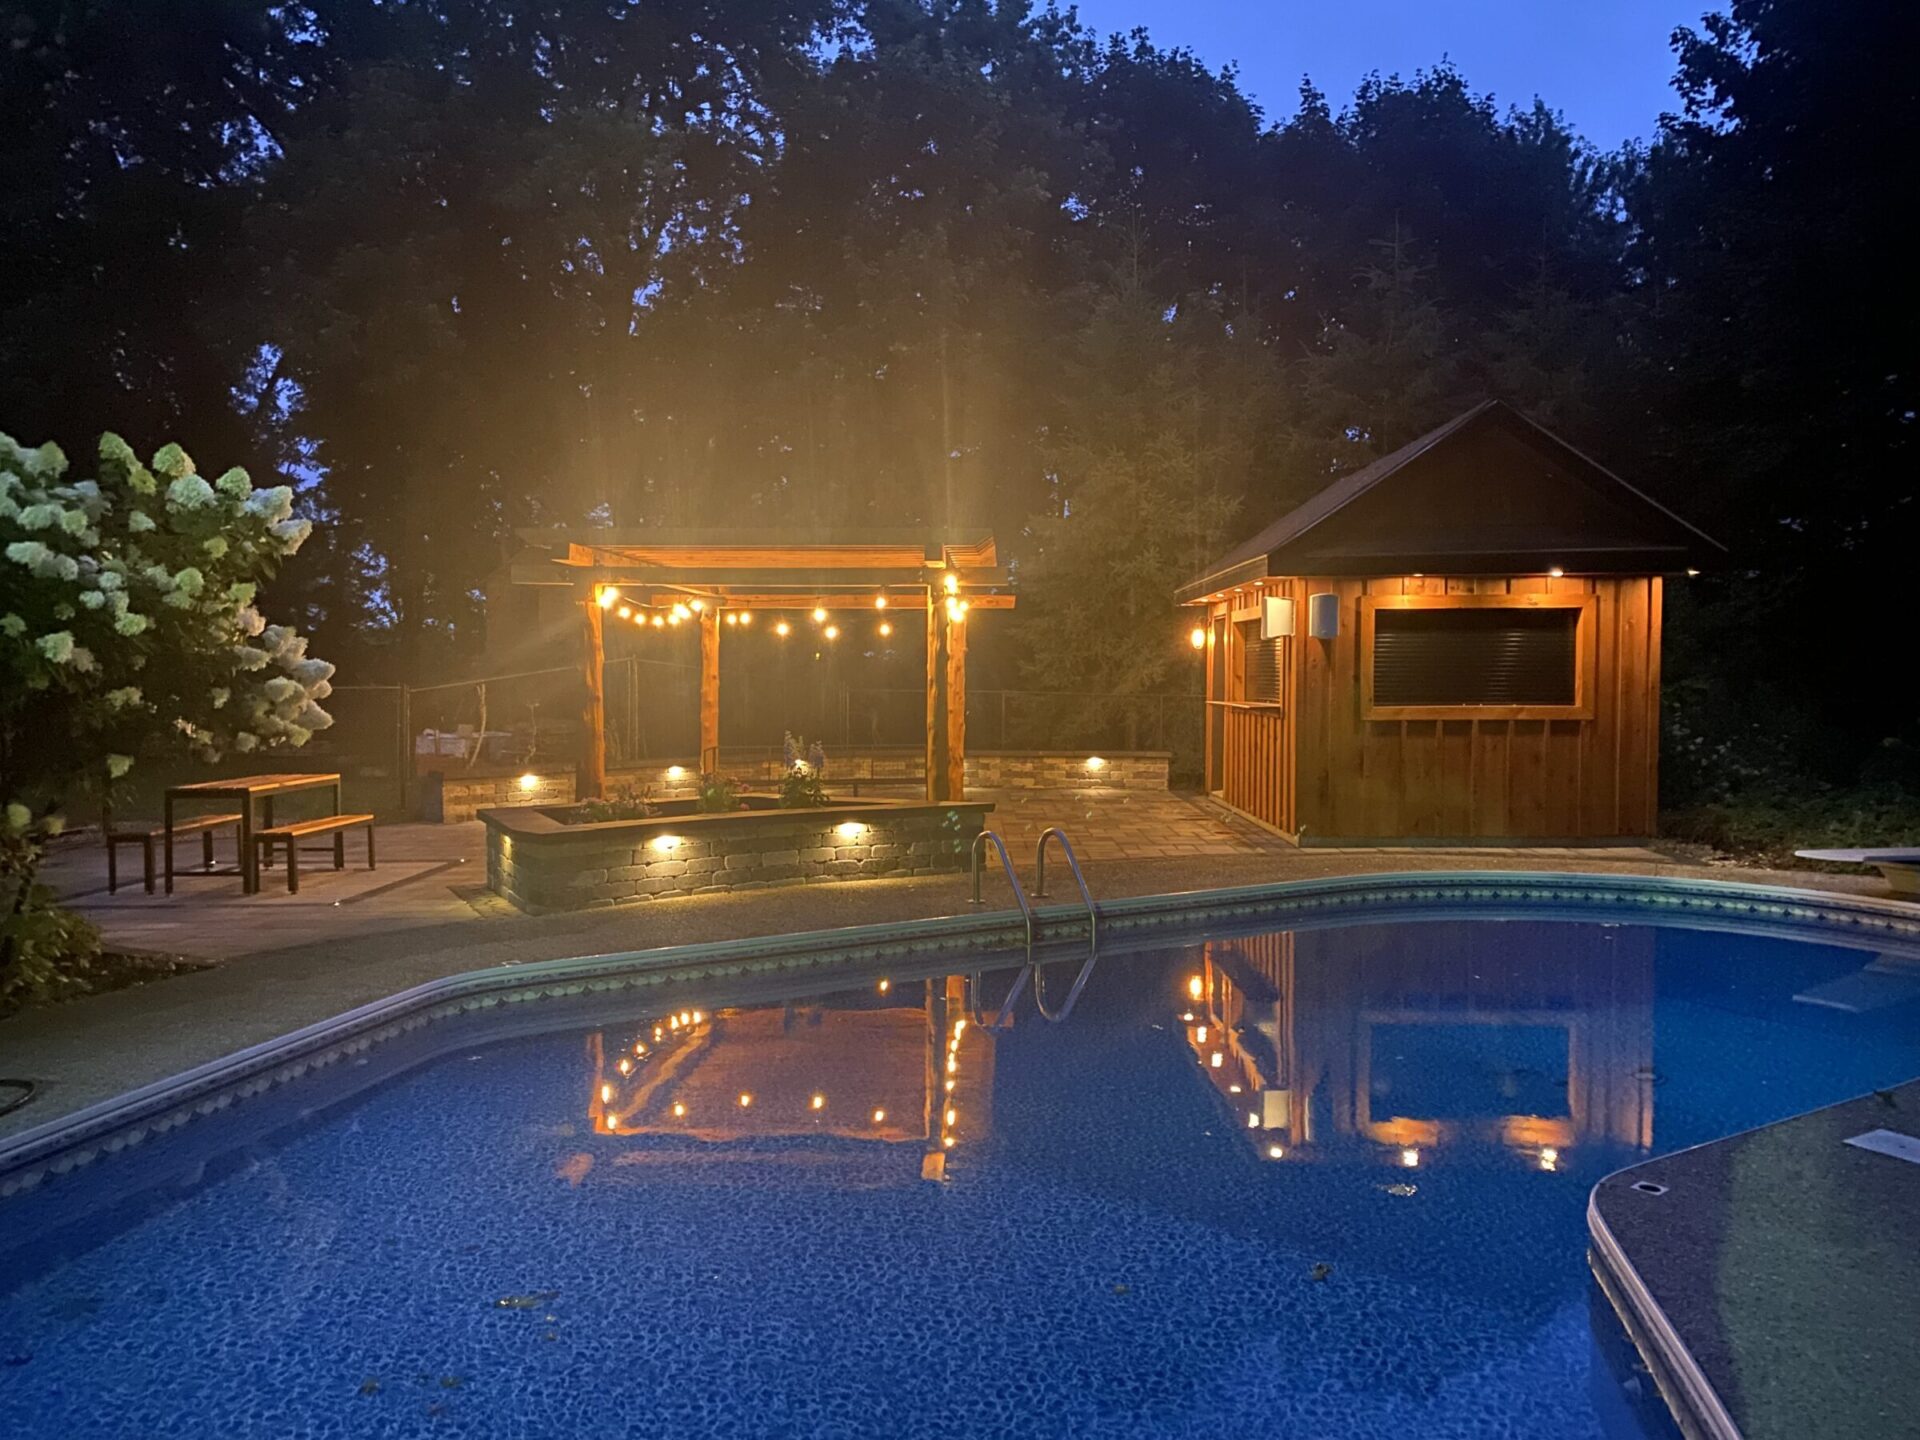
128	631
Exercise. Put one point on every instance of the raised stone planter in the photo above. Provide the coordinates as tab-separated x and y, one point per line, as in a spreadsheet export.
542	864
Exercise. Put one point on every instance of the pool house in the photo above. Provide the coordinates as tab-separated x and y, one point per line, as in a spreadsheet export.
1459	642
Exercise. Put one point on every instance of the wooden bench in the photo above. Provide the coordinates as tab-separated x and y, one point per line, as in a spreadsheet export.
146	836
290	835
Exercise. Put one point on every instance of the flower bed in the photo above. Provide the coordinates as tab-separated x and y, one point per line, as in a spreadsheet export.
543	861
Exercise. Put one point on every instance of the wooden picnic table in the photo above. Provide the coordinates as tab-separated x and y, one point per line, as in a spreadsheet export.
244	791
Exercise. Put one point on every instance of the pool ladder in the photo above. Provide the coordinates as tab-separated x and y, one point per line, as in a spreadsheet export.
1030	973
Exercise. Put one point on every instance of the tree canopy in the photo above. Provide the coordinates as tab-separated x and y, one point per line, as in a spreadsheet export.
455	266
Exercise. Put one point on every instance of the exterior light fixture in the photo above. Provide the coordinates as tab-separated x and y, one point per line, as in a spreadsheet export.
950	582
952	1115
698	606
676	772
832	632
679	1111
1197	637
613	1123
1276	1152
1410	1158
1692	573
850	829
733	617
1216	1059
746	617
680	611
659	620
529	781
674	618
879	1117
782	628
819	1102
1200	1035
885	985
880	601
626	1066
666	844
606	1093
1253	1120
1549	1158
1095	764
1196	987
885	629
606	597
625	612
819	614
746	1100
1556	572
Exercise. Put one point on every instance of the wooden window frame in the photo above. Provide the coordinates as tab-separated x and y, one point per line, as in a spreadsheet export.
1585	659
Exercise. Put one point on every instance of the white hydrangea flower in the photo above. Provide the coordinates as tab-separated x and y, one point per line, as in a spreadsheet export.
93	599
216	546
190	581
12	626
139	522
235	483
57	647
272	505
118	765
111	580
18	816
190	492
123	697
293	534
173	462
219	695
41	516
131	624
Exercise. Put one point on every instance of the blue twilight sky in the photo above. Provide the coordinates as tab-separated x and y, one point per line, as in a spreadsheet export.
1604	64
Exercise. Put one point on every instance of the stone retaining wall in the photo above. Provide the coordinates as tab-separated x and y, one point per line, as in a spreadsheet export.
542	865
454	797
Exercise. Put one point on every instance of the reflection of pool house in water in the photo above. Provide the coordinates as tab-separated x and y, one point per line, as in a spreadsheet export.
1459	642
1420	1043
901	1065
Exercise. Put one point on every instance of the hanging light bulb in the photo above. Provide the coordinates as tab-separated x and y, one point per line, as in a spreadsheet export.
880	601
746	617
951	583
680	611
733	617
782	628
606	597
658	620
885	629
832	632
819	614
698	606
625	612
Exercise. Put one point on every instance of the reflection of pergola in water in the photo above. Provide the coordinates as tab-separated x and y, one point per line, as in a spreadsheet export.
902	1066
745	581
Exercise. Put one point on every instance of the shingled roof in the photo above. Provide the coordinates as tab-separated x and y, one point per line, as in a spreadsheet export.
1489	492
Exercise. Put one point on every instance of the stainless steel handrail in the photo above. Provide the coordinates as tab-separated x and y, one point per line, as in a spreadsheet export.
1001	1020
1053	832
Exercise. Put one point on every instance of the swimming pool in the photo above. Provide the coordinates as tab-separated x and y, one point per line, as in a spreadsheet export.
1321	1178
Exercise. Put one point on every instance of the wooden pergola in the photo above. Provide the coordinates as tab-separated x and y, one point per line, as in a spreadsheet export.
721	580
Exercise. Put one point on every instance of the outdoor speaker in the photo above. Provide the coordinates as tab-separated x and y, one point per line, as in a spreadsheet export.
1323	616
1276	617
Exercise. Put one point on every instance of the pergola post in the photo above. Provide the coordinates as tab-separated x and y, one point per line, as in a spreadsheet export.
590	777
956	628
939	777
709	690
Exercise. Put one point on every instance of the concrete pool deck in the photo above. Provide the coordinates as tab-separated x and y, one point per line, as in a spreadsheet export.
354	936
1785	1267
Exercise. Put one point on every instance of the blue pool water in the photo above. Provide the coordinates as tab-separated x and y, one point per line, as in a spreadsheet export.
1365	1219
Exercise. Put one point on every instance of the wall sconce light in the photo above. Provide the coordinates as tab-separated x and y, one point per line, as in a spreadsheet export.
529	781
606	597
666	844
1197	637
1095	764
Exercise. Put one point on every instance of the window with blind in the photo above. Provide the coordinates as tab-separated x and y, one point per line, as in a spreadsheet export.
1493	656
1261	665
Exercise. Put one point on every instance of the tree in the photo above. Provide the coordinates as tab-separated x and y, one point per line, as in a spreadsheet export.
127	630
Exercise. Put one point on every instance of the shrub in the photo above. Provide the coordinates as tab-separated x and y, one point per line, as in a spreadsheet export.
716	794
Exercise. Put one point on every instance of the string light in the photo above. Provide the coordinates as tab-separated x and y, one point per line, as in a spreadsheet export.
885	629
782	628
680	611
606	1093
658	620
746	617
698	606
880	601
951	583
832	632
819	1102
606	597
733	617
625	612
879	1117
885	985
819	614
745	1100
679	1111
